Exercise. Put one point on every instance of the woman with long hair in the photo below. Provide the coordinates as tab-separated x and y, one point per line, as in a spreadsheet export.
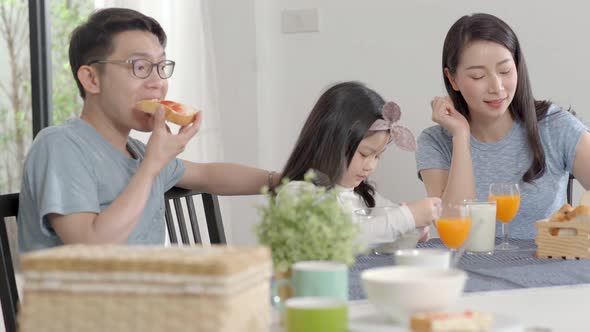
490	128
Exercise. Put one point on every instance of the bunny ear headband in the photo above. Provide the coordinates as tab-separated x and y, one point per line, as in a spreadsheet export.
400	135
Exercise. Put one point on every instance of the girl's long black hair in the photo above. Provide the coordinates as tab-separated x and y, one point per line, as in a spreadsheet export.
333	131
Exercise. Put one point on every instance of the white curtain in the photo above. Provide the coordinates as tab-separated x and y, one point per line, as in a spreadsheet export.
194	82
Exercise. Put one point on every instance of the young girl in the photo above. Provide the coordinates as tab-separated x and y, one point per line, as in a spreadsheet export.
491	129
343	138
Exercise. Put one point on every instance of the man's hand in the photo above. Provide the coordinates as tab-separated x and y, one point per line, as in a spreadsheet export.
163	146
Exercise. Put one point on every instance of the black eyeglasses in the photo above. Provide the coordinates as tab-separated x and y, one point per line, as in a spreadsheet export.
142	68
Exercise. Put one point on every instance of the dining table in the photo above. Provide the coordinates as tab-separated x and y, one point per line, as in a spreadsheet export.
546	309
528	293
502	270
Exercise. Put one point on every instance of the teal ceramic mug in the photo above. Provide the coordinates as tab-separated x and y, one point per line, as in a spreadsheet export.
316	314
316	279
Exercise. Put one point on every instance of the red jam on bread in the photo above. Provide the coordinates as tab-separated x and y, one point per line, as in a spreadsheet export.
177	113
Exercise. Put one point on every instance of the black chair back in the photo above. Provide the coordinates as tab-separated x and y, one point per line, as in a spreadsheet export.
212	216
8	291
570	189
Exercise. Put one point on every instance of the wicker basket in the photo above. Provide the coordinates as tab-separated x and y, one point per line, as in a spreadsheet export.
124	288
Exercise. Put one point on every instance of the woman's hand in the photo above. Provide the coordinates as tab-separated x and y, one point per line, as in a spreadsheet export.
445	114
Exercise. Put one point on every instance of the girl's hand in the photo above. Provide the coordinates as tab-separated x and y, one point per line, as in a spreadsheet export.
445	114
425	211
424	237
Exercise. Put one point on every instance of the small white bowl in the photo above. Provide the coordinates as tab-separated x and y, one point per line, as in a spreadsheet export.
423	257
376	234
399	291
405	241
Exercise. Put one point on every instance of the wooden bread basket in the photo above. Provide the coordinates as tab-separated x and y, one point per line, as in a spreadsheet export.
563	240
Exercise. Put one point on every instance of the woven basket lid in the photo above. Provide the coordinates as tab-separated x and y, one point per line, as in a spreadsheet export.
194	260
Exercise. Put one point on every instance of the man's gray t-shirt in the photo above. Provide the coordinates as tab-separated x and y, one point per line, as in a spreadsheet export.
508	159
70	169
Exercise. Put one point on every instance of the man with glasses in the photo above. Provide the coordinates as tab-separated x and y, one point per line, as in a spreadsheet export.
87	181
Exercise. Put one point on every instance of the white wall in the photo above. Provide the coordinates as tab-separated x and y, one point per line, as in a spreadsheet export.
234	38
393	46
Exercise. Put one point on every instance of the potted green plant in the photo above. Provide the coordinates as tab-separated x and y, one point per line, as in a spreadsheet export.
306	222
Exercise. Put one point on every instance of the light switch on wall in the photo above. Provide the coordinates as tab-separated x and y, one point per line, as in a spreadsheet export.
300	20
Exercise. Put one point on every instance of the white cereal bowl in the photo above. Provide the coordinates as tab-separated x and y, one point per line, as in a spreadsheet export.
399	291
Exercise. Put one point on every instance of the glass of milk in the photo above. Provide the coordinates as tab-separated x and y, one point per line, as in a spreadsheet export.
483	232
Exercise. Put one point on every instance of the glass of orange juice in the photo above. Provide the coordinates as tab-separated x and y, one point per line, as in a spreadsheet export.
507	198
454	225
